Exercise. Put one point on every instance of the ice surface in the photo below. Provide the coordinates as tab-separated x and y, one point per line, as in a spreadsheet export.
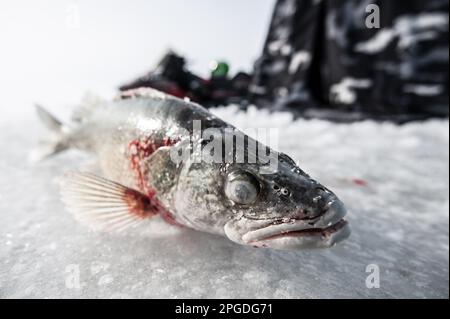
394	180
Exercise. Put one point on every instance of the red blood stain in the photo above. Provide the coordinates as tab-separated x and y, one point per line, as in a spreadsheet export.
168	218
141	205
359	182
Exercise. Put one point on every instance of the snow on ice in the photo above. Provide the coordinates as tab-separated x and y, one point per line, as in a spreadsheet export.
394	180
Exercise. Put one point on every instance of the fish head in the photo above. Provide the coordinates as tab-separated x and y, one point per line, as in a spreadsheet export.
285	209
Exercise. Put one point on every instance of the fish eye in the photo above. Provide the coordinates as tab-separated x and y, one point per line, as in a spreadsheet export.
242	188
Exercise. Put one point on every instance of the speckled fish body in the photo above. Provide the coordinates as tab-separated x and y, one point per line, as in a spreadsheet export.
135	139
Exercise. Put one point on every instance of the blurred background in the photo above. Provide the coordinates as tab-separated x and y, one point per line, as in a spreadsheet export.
342	60
53	51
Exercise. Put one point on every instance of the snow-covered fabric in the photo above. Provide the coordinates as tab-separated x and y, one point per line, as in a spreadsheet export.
382	58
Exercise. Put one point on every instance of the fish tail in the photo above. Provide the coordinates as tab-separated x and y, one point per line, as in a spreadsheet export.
56	142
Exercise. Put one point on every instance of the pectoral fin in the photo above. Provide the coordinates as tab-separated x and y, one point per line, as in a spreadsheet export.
105	205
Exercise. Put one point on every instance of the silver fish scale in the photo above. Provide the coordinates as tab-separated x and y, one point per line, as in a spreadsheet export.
128	135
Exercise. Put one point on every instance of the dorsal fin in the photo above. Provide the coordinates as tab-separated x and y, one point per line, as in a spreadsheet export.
142	92
88	104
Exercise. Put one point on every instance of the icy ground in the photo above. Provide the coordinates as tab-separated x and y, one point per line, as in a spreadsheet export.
393	179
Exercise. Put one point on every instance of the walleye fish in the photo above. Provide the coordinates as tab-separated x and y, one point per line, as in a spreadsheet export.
137	138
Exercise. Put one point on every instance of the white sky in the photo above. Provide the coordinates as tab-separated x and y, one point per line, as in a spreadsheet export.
52	51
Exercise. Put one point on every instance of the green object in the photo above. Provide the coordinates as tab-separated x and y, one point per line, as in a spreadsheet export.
219	69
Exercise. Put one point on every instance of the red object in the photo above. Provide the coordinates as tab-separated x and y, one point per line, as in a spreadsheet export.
359	182
141	205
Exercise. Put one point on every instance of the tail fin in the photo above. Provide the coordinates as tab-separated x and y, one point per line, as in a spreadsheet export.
55	143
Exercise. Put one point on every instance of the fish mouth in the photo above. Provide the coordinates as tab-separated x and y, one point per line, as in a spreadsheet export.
322	232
